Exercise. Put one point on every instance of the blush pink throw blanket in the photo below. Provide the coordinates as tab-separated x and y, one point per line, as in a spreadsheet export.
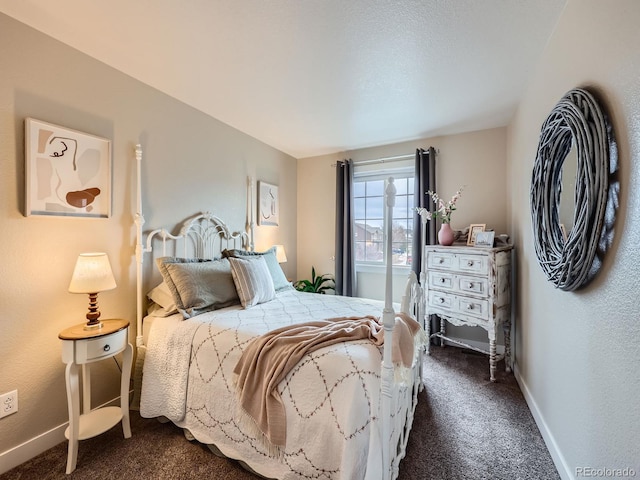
268	358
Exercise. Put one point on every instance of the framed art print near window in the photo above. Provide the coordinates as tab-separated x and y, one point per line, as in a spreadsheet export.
67	173
268	205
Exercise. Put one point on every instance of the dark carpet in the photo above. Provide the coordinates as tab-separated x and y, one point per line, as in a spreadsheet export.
465	428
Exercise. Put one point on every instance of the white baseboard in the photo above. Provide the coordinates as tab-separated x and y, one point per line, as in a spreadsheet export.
26	451
29	449
558	459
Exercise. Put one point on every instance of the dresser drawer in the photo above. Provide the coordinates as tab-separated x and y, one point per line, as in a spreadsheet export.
478	286
441	280
441	260
473	264
473	307
96	348
442	300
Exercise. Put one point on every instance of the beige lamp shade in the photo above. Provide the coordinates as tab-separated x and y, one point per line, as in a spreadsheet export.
92	274
281	255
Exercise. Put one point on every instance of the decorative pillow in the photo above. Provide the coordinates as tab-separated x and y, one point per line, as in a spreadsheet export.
155	310
253	280
198	286
163	303
280	281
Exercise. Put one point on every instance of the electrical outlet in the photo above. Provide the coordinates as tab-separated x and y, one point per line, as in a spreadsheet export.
8	403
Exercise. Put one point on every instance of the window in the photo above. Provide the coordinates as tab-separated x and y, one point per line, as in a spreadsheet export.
369	213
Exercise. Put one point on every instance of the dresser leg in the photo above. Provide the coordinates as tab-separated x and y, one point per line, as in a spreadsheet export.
507	346
442	331
492	359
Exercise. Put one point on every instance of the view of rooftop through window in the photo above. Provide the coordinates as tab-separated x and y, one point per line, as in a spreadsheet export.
368	194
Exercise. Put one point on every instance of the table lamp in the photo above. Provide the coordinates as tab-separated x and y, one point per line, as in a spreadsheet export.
281	256
92	275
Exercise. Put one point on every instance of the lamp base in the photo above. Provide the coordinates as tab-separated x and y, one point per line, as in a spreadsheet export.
93	314
93	326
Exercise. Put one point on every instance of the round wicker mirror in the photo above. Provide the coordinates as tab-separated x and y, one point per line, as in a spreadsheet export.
566	254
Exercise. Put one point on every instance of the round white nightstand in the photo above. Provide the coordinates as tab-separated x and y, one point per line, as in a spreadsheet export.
81	347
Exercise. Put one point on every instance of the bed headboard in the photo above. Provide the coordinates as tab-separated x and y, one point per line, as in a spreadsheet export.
203	235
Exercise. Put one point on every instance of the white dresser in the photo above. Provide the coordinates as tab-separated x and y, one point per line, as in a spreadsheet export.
470	286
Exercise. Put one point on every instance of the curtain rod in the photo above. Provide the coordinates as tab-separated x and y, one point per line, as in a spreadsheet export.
384	159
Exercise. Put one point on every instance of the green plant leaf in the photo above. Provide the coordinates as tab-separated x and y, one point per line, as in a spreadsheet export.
317	284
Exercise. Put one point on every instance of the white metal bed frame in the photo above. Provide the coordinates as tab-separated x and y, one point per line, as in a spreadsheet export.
198	235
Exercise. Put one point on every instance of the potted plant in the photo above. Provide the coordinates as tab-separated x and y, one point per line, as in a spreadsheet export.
317	284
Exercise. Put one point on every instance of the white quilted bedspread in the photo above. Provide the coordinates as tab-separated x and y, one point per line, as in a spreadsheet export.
331	397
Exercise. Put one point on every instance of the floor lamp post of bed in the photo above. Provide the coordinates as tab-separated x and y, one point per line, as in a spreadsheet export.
92	274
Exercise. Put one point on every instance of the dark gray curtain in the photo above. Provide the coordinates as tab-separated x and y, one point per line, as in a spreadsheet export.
425	180
345	251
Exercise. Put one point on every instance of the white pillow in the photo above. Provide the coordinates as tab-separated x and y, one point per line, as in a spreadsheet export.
253	280
161	296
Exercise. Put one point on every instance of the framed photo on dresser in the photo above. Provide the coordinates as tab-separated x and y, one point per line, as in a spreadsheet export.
485	239
474	229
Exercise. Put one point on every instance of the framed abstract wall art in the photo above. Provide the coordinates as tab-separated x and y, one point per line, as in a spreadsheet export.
268	207
67	173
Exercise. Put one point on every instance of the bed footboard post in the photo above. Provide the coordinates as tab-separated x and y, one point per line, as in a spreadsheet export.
423	272
389	319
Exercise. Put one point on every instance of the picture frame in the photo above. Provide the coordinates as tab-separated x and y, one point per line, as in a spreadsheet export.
474	229
67	172
485	239
268	204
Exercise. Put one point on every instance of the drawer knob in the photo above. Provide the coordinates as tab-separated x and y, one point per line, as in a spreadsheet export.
470	285
107	347
442	280
441	260
470	263
441	300
470	306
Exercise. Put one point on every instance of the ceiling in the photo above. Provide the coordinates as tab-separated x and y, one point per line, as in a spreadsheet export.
311	77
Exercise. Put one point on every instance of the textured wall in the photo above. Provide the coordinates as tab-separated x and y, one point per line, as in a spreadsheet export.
192	162
577	353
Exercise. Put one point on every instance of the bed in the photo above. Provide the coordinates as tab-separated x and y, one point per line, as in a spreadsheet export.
342	411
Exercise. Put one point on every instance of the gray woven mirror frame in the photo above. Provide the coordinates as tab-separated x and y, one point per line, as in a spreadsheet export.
578	122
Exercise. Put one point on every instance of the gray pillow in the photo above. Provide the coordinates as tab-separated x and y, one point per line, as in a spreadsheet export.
198	286
253	280
280	281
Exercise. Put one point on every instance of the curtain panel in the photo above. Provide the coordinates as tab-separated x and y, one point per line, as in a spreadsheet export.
425	180
345	261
